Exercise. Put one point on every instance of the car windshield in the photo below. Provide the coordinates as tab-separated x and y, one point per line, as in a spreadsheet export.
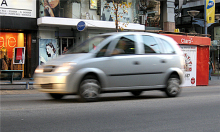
87	45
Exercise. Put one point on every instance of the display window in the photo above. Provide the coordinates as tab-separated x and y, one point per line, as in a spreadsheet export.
150	13
8	43
126	10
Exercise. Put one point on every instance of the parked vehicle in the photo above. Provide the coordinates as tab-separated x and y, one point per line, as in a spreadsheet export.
114	62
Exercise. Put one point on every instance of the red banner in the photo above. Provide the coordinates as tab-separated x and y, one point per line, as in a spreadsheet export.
19	54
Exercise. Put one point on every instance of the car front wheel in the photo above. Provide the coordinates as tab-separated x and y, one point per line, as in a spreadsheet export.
173	86
89	89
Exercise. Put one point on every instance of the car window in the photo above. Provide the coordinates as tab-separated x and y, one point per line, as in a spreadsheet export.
102	52
88	45
125	45
168	48
150	45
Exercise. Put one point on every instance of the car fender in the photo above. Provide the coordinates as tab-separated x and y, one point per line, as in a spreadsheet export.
174	70
78	76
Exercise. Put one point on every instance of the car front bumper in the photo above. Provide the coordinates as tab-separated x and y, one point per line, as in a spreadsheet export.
52	83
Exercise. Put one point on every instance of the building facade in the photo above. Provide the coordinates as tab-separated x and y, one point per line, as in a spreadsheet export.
18	35
186	23
47	28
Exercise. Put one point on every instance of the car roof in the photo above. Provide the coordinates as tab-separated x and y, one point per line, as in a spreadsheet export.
140	33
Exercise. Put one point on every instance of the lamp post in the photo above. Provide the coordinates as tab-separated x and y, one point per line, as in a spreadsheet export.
193	13
218	56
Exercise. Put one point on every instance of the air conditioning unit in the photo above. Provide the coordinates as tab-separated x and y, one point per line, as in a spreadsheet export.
142	19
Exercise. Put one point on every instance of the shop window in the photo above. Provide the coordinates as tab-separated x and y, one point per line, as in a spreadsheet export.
126	14
8	42
65	44
153	13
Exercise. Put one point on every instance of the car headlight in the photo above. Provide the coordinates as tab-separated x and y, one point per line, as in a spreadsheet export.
39	69
65	67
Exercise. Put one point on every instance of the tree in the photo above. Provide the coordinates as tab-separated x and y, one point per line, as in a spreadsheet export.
119	9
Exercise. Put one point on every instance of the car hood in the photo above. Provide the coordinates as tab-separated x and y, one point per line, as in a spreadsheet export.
69	58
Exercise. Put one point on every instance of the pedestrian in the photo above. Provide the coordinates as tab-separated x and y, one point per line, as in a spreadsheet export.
65	50
211	67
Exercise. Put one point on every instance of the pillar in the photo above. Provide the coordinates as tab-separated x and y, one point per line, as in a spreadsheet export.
168	15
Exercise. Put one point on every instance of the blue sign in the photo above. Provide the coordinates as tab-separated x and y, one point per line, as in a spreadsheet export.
210	4
81	26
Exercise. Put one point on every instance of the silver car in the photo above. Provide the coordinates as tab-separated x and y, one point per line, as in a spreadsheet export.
114	62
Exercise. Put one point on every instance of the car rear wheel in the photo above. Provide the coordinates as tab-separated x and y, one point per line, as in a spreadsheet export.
89	89
56	96
173	86
136	93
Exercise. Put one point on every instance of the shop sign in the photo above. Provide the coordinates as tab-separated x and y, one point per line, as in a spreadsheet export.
9	41
17	8
190	54
190	40
81	26
34	41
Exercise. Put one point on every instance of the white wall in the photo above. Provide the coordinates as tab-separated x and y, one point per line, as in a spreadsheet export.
46	33
76	11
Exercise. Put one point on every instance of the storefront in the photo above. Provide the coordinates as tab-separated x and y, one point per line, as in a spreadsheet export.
61	28
18	35
214	49
196	52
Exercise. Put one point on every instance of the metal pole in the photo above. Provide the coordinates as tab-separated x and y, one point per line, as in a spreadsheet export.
205	26
218	61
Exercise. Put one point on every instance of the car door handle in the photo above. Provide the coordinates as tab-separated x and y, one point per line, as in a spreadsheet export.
136	63
163	61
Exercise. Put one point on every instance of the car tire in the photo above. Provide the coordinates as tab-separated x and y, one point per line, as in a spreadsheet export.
173	86
136	93
56	96
89	89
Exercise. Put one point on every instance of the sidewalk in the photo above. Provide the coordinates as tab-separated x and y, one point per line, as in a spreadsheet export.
21	89
17	84
215	81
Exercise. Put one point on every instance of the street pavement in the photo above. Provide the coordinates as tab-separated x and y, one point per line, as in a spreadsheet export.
21	89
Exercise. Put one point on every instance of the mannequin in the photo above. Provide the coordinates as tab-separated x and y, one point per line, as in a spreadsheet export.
4	58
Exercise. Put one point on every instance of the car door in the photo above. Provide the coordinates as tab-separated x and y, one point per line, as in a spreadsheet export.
152	62
123	62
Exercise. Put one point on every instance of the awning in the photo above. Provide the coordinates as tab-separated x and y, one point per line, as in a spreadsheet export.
96	24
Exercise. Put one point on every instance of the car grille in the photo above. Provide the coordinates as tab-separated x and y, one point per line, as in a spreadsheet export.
47	86
49	68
